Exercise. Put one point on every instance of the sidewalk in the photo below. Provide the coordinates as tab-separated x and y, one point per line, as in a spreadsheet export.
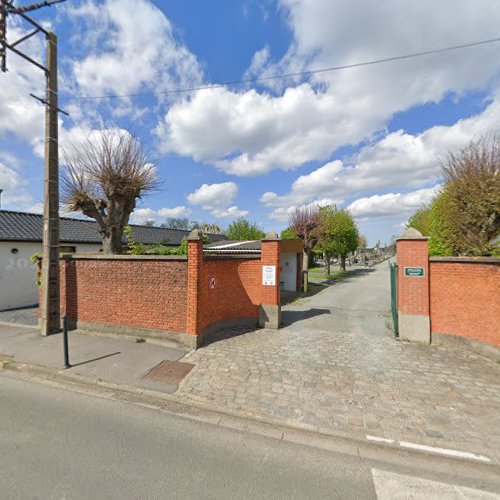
120	361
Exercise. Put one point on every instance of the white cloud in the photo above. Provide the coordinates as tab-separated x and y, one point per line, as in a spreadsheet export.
283	213
391	205
397	160
250	133
180	211
142	215
20	114
217	198
211	196
132	47
15	194
231	212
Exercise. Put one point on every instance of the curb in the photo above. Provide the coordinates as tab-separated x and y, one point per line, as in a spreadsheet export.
246	422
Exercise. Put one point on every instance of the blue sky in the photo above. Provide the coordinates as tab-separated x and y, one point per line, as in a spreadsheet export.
369	139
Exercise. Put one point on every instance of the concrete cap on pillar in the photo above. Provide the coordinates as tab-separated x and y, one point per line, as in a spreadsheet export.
195	235
412	234
271	236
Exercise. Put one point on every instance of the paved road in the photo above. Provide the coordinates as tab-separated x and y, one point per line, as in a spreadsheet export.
336	367
57	444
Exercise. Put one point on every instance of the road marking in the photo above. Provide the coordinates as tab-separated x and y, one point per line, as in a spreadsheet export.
432	449
445	451
378	439
392	486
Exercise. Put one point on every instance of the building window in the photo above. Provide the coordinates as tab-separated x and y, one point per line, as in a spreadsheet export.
67	249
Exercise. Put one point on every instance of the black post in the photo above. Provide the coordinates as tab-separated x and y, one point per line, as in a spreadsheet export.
65	342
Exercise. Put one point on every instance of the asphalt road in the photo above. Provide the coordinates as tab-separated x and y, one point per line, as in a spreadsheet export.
60	444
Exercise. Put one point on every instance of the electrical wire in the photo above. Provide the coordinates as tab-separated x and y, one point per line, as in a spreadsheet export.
290	75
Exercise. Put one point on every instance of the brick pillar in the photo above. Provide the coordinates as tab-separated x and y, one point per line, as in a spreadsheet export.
412	256
270	306
195	262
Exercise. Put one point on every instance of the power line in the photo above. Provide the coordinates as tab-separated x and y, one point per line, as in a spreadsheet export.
292	75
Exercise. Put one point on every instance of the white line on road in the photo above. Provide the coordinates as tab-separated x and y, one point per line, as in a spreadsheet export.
432	449
378	439
445	451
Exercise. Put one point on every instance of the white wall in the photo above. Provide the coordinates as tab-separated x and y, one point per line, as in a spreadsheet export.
17	272
289	271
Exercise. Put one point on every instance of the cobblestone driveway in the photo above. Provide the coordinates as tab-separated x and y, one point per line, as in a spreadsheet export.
337	368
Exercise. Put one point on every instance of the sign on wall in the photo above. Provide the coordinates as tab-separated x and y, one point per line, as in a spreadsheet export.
414	272
212	283
269	275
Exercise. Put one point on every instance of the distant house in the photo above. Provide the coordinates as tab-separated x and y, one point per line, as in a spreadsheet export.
21	237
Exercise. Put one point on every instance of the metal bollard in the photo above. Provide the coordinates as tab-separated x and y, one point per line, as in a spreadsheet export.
65	342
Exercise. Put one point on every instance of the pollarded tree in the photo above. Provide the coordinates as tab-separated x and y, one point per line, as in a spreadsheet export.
304	222
104	178
339	233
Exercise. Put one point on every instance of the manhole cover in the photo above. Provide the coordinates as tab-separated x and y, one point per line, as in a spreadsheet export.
169	372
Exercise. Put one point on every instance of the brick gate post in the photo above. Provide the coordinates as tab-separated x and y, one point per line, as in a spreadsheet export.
270	306
412	256
195	262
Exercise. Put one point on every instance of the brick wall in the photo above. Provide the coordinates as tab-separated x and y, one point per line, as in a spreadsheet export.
169	294
237	291
132	292
465	298
413	292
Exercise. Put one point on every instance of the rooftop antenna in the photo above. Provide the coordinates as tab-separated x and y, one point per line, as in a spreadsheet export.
50	307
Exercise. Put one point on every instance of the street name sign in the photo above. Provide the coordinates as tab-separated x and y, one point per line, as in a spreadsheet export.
414	272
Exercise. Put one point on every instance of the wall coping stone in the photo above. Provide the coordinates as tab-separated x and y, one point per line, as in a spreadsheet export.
90	256
232	257
467	260
411	234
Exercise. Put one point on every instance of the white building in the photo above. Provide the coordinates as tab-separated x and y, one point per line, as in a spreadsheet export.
21	238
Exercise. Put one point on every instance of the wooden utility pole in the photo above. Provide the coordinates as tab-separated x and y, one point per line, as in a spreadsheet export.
50	307
50	311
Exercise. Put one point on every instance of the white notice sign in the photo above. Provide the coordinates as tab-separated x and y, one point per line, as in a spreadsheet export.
269	275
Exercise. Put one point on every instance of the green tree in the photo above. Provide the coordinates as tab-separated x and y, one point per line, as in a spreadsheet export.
243	230
471	198
464	217
338	233
288	234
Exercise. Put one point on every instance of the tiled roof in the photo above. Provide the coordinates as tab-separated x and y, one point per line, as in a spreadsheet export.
234	246
22	226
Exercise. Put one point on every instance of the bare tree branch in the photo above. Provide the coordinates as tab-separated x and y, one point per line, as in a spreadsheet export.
104	178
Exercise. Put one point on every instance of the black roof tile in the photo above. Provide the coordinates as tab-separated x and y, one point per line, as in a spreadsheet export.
22	226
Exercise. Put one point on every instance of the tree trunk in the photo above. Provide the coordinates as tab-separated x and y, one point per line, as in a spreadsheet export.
327	262
305	270
342	262
112	241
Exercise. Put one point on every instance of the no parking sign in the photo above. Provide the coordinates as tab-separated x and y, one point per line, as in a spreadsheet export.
212	283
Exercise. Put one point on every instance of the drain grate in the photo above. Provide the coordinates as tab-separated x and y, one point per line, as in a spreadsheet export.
169	372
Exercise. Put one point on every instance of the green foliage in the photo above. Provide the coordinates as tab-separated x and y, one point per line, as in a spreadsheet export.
242	230
338	233
288	234
35	259
135	248
464	217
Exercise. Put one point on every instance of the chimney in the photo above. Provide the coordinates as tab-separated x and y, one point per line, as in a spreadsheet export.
1	191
